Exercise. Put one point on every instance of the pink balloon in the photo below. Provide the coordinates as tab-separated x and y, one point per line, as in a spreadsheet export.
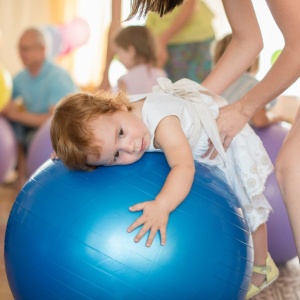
53	40
8	148
74	34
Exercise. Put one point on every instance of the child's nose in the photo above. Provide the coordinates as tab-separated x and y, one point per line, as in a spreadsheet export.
128	146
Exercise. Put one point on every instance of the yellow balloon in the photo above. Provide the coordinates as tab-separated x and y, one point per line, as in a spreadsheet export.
5	87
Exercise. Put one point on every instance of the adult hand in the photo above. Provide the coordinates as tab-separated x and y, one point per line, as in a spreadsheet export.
54	156
105	85
12	110
230	122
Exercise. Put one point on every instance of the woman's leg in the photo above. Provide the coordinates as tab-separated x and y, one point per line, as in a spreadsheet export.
288	176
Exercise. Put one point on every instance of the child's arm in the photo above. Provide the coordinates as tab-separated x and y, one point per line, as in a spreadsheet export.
171	139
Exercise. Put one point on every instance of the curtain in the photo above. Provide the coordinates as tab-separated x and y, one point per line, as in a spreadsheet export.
87	62
15	16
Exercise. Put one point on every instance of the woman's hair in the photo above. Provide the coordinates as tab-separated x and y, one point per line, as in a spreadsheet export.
142	7
141	38
71	133
219	48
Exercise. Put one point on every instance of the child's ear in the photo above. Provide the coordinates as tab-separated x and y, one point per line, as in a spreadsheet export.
131	50
123	107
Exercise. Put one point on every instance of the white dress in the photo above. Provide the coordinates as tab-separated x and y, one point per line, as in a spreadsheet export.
246	164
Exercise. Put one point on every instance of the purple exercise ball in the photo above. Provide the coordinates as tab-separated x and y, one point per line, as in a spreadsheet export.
280	237
8	149
39	149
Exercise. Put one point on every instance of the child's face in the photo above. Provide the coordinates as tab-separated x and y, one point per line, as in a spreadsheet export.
126	57
123	138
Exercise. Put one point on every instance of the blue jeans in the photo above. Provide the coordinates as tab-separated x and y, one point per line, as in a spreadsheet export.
24	134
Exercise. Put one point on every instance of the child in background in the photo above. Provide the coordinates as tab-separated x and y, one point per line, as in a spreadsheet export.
243	84
179	119
135	47
184	38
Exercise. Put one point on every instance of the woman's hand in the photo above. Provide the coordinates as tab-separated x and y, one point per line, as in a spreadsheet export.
154	218
230	122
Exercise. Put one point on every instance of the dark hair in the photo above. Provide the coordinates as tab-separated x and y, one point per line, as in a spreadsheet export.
141	38
142	7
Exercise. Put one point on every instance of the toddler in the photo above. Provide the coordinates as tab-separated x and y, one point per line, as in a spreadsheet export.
136	50
89	130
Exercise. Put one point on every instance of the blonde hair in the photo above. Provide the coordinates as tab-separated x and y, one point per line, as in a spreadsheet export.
72	137
141	39
219	48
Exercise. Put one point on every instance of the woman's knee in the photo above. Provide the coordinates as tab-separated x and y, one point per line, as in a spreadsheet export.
287	173
281	169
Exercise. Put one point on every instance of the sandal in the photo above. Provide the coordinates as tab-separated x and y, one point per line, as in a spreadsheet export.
271	272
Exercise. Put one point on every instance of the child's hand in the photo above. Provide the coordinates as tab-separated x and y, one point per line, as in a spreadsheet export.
53	155
155	217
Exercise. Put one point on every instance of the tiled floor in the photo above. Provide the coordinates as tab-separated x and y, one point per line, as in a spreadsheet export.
287	287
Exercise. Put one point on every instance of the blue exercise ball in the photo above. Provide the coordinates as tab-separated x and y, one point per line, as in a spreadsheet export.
66	237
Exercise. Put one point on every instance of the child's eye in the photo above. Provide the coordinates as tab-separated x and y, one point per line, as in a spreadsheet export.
121	132
117	155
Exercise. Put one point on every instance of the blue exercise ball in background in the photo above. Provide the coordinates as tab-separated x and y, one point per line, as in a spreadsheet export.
280	236
66	237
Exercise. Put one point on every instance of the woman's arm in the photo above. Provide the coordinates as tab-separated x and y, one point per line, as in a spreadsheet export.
184	15
245	45
115	25
283	73
171	139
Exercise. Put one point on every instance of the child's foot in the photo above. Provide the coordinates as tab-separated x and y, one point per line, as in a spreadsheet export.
269	273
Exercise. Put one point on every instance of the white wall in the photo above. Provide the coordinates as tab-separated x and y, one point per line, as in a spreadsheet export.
15	16
273	41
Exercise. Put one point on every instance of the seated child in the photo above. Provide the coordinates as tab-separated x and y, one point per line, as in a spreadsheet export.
135	47
90	130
